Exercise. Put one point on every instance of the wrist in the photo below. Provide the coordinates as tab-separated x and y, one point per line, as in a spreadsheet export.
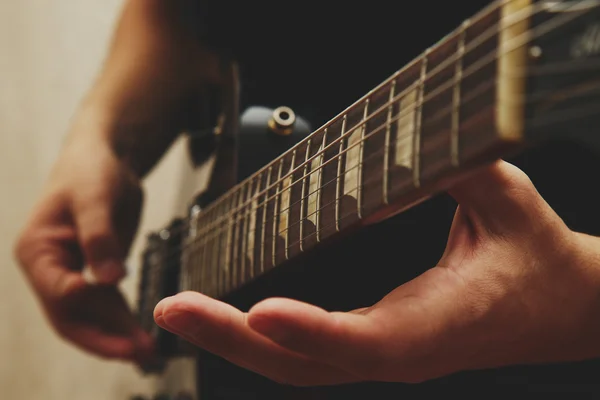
586	266
134	138
95	129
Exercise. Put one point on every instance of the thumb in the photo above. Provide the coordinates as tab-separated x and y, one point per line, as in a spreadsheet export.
499	198
99	241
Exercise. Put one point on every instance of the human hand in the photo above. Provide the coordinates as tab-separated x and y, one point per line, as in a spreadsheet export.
514	286
87	215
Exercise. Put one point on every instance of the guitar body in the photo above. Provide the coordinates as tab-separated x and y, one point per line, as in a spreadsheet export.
336	277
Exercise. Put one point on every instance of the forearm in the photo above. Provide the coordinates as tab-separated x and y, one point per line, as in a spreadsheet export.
155	65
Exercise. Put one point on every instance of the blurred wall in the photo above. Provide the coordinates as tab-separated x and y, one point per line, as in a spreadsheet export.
50	51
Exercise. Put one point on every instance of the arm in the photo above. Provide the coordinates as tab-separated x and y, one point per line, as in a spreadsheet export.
154	70
88	212
514	286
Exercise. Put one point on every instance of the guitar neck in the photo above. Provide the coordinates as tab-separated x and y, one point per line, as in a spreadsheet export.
473	97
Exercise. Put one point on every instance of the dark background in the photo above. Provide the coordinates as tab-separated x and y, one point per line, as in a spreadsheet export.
319	57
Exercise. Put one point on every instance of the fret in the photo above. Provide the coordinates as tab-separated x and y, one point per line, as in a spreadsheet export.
276	208
350	164
400	176
231	233
374	153
418	122
359	174
458	74
209	288
214	251
440	90
338	184
190	254
477	130
246	217
386	148
315	180
253	226
304	195
283	229
195	237
237	237
201	272
216	248
260	208
329	190
436	114
225	230
267	229
199	283
190	243
406	131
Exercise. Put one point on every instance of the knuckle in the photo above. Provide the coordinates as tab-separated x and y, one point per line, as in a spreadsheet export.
511	177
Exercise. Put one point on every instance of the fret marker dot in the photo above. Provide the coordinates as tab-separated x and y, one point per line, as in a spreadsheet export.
535	51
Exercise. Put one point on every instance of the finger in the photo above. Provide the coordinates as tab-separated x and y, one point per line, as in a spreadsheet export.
134	347
98	319
46	256
98	342
100	242
352	341
498	198
222	329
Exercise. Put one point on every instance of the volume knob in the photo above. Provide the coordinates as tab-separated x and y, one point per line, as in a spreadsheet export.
282	121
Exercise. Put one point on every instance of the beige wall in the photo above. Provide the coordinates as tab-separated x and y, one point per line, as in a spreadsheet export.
50	51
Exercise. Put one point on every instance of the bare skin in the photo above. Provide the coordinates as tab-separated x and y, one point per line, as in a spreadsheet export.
514	286
89	209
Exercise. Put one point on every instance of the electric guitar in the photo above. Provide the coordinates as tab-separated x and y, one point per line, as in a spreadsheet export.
300	212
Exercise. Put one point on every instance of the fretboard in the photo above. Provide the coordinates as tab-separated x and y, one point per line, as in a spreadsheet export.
458	105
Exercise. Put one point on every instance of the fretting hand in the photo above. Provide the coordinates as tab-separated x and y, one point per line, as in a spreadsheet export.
515	285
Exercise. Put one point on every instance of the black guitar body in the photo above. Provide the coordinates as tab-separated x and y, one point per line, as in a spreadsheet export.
344	276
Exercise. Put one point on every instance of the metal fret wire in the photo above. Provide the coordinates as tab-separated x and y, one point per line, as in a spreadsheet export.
374	113
235	219
596	108
476	42
490	57
220	230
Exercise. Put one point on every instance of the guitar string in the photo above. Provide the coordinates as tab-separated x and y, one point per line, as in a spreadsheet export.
449	84
311	172
489	33
474	93
590	110
240	209
474	44
207	243
305	177
245	213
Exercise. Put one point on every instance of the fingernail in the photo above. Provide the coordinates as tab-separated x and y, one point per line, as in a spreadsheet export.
268	328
